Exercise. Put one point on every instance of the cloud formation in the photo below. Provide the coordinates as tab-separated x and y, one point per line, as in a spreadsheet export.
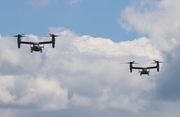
158	19
82	75
81	72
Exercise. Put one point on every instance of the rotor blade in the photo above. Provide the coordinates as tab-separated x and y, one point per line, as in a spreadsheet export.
155	61
125	63
131	62
54	35
19	35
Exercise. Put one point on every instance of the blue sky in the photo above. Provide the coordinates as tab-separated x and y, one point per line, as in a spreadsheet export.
84	17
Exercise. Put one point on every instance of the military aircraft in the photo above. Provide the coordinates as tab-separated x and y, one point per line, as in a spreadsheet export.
36	46
144	70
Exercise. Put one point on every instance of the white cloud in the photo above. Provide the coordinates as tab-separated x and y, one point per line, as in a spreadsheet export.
139	47
82	75
81	71
6	83
45	94
6	113
80	100
160	20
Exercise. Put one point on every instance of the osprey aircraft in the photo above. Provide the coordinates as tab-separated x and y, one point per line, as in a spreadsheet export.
36	46
144	70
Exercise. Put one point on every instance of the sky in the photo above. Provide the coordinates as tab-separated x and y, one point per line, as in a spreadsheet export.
85	17
83	75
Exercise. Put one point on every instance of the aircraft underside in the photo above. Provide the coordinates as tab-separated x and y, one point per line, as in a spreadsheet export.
36	49
144	73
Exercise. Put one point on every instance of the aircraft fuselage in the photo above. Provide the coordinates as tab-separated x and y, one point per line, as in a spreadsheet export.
36	47
144	72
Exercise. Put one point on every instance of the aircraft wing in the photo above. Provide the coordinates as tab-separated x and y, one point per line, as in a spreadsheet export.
137	67
151	67
45	42
26	42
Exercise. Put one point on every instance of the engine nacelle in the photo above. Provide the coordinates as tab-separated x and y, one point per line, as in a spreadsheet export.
157	69
130	67
19	42
53	42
